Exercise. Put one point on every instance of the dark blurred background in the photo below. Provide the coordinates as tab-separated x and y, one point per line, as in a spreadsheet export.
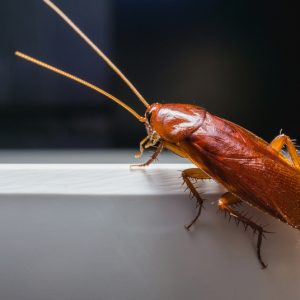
238	59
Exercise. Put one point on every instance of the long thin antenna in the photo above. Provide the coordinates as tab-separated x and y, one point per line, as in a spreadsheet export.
97	50
81	81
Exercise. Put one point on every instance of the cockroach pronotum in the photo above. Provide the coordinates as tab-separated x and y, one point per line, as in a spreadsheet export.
252	170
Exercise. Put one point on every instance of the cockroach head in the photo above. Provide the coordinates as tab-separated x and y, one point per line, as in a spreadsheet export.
152	137
150	117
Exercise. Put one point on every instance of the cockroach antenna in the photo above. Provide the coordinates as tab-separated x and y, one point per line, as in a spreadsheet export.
97	50
80	81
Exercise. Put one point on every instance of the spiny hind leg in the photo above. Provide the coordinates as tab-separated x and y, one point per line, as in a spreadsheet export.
226	202
196	174
283	140
152	158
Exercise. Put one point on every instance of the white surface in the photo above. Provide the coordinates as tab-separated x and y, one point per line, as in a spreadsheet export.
123	237
88	179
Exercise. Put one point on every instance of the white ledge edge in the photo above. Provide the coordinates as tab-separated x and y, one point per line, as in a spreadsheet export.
96	179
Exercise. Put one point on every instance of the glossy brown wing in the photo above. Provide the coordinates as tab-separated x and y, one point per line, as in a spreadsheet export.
247	166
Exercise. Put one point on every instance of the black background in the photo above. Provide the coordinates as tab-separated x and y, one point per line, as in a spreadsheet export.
238	59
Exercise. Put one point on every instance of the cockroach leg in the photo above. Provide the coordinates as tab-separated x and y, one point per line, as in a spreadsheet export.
283	140
152	158
187	175
149	141
140	153
225	204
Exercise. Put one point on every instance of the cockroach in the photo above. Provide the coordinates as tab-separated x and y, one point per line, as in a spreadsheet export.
252	171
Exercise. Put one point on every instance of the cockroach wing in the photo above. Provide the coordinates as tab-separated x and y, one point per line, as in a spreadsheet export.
247	166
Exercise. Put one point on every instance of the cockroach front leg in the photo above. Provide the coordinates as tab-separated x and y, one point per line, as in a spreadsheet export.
225	204
152	158
187	175
283	140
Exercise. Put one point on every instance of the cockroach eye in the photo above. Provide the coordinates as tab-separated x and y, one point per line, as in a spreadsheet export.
148	116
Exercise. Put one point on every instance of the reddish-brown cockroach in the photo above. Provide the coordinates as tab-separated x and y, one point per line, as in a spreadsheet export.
252	170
